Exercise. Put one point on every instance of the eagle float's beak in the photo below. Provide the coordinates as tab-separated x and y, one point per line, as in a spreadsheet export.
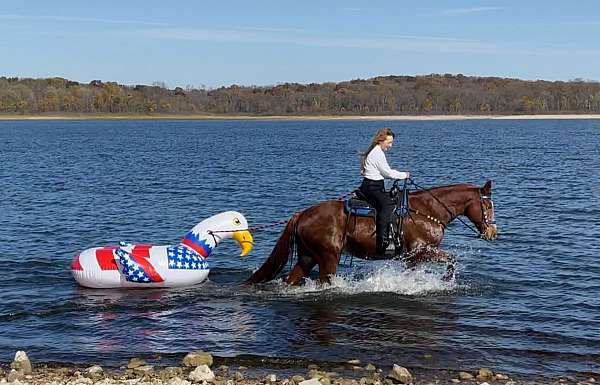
245	240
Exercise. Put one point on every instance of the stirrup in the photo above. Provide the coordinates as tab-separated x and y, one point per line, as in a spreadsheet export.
390	250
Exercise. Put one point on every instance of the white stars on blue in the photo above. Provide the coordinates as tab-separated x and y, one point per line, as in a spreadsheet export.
183	258
132	270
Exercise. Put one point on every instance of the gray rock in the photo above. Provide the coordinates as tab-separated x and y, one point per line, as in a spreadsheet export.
465	376
170	372
198	358
144	369
368	381
202	373
178	381
135	362
354	362
224	368
313	367
400	374
455	380
83	381
238	376
370	368
15	375
485	374
502	377
316	374
96	369
21	362
312	381
297	379
271	378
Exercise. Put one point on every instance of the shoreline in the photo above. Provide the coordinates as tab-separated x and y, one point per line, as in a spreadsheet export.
16	117
170	369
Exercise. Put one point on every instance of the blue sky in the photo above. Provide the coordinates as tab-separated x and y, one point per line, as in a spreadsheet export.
215	43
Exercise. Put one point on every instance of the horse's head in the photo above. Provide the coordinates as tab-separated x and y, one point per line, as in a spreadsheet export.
207	234
481	212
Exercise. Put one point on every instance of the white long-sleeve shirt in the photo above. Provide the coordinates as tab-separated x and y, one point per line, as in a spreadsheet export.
377	167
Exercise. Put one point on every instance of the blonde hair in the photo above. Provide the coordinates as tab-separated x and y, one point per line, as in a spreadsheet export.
379	137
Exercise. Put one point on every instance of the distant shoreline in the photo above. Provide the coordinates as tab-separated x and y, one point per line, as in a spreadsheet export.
287	117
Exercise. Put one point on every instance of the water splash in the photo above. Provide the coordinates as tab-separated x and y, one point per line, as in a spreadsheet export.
386	277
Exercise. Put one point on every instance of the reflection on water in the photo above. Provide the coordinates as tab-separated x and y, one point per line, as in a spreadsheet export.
525	304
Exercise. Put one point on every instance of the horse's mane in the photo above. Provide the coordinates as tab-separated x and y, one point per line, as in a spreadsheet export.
439	190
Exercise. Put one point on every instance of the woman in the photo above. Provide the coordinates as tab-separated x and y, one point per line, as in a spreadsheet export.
375	168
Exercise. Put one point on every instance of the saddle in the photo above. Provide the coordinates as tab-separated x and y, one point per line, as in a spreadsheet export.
358	206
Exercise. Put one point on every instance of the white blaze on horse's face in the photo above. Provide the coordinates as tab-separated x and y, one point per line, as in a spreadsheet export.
490	231
482	213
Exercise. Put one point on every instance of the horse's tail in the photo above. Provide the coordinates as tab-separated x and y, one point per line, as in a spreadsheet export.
279	256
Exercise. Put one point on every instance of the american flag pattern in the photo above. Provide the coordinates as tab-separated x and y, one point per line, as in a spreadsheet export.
137	269
143	265
197	243
181	257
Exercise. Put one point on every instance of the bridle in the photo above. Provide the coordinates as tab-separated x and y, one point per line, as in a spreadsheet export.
487	221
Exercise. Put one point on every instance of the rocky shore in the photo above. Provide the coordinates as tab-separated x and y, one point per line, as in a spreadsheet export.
201	368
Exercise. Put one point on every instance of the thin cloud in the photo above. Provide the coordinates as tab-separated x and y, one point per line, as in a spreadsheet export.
261	36
427	44
79	20
467	11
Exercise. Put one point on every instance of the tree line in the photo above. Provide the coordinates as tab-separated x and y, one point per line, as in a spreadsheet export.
433	94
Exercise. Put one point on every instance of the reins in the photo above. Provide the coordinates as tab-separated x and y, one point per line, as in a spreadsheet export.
345	195
276	223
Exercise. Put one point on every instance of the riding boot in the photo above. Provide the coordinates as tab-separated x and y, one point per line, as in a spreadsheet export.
385	246
389	248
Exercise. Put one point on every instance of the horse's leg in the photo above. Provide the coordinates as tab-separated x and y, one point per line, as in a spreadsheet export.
431	254
327	269
301	269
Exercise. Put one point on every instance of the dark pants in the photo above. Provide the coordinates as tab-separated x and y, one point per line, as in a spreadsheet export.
374	191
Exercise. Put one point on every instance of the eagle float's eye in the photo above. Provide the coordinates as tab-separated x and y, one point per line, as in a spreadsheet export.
236	221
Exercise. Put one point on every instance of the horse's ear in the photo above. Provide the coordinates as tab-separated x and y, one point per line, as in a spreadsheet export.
487	188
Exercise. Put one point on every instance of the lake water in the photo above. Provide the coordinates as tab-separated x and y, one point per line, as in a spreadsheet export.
528	303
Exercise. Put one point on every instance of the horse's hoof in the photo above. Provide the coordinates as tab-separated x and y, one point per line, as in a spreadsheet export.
448	276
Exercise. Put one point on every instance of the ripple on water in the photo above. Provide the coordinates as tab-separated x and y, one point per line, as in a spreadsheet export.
525	304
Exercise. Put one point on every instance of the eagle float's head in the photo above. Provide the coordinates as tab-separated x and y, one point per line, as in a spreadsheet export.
207	234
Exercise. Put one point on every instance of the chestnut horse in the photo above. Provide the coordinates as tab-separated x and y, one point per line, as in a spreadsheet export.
322	232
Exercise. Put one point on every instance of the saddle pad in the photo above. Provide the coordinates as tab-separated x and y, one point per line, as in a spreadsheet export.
359	208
